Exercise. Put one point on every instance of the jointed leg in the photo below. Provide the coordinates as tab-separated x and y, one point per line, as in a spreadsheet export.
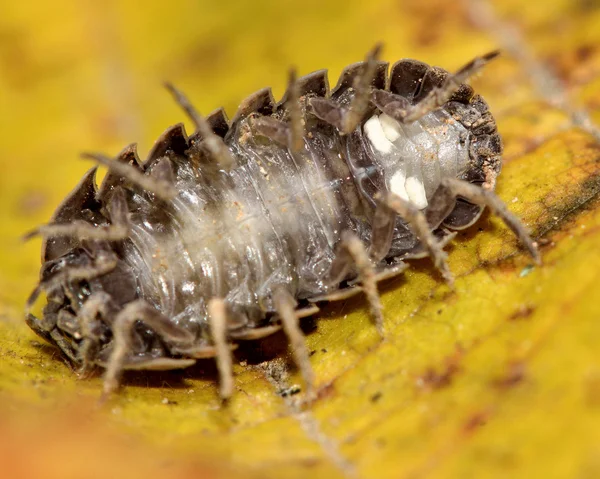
96	304
104	263
285	306
352	252
362	97
382	231
162	189
347	119
287	134
417	222
63	344
123	326
116	231
400	108
81	230
296	130
483	197
214	143
217	313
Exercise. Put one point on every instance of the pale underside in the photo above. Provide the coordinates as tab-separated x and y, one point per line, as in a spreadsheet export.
276	218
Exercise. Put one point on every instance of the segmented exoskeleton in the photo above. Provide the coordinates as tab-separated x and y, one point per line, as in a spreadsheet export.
238	230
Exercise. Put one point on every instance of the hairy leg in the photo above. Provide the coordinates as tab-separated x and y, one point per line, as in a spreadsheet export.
125	320
403	111
214	143
217	313
288	134
285	306
417	222
486	198
161	188
352	252
117	230
104	263
97	304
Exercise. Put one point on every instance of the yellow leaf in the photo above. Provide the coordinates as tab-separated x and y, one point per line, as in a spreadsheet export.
499	377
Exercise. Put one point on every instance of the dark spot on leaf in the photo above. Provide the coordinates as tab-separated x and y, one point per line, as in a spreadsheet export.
587	5
325	391
515	374
376	397
433	379
476	421
522	312
583	52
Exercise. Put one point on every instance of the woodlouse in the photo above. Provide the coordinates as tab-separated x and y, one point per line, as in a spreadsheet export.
239	229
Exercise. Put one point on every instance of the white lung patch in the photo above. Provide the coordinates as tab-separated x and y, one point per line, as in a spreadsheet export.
416	192
397	185
377	136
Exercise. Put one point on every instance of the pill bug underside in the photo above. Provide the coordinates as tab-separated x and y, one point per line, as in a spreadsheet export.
269	232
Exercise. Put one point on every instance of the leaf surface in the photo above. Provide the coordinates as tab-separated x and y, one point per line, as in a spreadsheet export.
498	377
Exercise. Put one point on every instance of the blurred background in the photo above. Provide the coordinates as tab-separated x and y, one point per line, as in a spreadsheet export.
82	75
